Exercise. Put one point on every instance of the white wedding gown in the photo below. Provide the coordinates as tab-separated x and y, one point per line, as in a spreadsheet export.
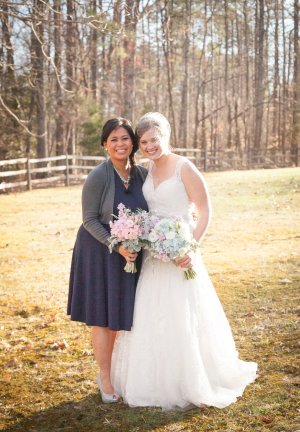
180	351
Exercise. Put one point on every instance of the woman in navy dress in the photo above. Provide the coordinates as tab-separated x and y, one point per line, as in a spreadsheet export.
101	293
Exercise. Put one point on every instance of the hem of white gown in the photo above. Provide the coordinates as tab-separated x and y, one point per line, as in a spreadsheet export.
191	403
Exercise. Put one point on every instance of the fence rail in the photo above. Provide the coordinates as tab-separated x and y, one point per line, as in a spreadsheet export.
72	169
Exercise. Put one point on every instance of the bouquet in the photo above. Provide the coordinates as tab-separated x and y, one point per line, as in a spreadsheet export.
170	238
126	231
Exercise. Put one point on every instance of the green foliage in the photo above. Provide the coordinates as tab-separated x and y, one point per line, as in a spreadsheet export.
147	108
90	130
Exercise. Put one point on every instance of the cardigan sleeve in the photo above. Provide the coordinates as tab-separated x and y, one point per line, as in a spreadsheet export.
92	194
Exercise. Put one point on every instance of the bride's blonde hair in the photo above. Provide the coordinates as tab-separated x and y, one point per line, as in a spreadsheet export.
156	121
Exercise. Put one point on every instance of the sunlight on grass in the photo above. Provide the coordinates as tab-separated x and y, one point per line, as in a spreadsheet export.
252	253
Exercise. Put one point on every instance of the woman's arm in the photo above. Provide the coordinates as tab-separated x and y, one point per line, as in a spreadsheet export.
92	192
198	194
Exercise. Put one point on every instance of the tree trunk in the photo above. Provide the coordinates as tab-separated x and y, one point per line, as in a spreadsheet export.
276	106
6	31
38	40
259	75
226	90
115	69
59	131
283	127
184	117
167	54
70	75
246	23
103	98
131	11
158	67
200	80
296	87
94	55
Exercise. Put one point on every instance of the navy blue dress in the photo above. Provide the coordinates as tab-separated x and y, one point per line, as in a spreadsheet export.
101	293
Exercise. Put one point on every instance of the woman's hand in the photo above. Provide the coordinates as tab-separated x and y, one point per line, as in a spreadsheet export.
129	256
184	262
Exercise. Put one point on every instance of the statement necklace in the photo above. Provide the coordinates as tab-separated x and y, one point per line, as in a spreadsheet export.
125	182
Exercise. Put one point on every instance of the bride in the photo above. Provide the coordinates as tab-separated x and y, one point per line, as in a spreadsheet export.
180	351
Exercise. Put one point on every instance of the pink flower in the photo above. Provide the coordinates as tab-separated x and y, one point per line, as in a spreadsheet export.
126	230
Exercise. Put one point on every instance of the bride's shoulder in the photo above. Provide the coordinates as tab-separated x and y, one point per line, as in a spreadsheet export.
189	172
180	161
178	158
184	164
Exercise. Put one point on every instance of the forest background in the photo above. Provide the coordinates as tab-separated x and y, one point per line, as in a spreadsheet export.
225	73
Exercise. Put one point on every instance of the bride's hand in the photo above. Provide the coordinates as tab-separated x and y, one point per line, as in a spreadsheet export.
129	256
184	262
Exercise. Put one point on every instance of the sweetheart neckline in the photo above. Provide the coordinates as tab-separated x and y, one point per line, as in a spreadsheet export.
163	181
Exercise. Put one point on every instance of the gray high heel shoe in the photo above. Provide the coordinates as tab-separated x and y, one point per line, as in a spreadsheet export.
107	397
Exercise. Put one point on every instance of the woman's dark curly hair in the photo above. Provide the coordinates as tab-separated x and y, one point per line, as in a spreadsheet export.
115	123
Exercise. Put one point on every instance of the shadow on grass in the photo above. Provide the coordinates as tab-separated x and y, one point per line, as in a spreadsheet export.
90	415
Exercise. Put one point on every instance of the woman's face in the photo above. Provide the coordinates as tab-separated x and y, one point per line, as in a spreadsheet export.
119	144
152	145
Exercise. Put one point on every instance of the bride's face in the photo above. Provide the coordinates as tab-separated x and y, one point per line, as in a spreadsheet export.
153	145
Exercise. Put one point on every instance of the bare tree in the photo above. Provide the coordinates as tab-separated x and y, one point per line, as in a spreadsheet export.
296	88
94	52
70	38
166	45
59	127
184	106
228	71
131	16
259	75
39	79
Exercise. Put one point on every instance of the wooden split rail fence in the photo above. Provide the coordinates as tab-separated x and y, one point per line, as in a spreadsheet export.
26	173
59	169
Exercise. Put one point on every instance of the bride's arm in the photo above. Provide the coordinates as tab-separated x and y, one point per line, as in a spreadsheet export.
198	194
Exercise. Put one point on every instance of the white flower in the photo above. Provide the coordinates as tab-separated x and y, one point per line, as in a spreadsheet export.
163	223
183	251
170	235
152	236
184	232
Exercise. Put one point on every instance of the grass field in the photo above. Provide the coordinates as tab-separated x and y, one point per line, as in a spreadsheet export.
252	252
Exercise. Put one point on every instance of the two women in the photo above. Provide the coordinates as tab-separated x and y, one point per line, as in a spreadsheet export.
180	350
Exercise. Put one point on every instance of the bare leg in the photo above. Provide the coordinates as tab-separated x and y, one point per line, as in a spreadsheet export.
103	340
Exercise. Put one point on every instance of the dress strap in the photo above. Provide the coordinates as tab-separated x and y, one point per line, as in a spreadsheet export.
150	166
179	165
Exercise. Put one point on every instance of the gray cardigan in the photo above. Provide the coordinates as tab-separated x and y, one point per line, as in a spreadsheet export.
98	198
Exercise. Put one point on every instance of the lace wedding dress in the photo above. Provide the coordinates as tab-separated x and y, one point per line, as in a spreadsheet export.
180	351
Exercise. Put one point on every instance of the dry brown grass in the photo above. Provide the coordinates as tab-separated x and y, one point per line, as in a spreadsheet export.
252	253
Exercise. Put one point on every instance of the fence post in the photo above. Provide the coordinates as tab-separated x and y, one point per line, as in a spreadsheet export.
205	159
67	181
249	155
29	187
